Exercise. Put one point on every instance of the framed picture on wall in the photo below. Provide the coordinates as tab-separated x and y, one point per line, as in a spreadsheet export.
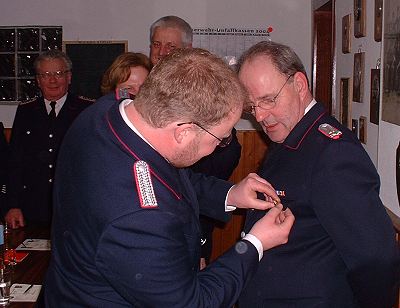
358	76
359	18
354	126
375	94
391	69
345	103
378	20
346	33
362	133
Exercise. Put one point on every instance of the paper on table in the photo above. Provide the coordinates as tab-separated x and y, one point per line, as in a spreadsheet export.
34	244
20	292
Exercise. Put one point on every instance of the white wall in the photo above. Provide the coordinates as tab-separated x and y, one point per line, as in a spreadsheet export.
382	139
344	67
130	20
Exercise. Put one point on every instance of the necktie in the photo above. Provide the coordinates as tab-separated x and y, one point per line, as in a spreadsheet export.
52	114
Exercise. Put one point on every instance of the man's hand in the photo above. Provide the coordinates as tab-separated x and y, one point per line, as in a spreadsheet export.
14	218
244	194
273	229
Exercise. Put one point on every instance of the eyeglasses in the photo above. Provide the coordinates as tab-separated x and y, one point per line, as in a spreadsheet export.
168	46
223	142
267	103
56	74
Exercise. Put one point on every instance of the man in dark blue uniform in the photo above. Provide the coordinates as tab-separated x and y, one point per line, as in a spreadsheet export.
342	250
126	227
38	129
166	34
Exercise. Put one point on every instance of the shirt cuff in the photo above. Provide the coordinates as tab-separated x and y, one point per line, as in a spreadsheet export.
229	208
256	242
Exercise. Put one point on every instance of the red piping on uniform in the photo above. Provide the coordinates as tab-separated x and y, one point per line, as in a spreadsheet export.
138	158
306	133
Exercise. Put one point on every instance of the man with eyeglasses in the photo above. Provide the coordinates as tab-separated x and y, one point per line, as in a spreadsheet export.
136	239
342	251
38	129
167	34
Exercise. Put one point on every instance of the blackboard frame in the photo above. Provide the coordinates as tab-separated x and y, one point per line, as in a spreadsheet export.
90	59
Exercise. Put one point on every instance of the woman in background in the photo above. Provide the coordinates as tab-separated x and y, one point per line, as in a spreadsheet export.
125	75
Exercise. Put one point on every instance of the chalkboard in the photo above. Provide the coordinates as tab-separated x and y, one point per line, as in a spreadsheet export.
90	59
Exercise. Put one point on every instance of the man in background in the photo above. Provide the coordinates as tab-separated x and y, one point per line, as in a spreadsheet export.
167	34
38	129
342	250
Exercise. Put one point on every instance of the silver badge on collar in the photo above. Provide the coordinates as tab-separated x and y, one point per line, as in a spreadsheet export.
144	185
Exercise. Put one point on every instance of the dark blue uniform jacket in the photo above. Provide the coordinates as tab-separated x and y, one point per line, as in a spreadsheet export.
33	151
108	251
341	250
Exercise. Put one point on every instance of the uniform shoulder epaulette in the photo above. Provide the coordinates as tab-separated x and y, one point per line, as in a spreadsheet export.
144	185
329	131
88	99
31	100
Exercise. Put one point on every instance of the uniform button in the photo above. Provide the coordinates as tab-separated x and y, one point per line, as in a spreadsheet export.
50	180
24	187
28	132
51	136
50	166
242	234
50	150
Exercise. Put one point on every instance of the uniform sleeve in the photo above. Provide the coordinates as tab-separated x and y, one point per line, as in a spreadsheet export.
15	158
345	196
3	167
146	258
211	195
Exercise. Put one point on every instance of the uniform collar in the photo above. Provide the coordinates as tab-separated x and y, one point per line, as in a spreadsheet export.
122	106
139	149
305	125
310	105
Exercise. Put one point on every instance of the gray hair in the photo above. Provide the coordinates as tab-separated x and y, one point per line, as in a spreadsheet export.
191	85
176	23
283	57
53	54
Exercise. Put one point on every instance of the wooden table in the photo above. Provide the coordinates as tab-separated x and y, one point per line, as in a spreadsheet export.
33	268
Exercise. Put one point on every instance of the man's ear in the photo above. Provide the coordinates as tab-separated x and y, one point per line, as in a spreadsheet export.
182	132
301	84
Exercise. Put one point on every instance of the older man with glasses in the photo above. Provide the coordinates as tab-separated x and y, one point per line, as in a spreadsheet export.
342	251
39	127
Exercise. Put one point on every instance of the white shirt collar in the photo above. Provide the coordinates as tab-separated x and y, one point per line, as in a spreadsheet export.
59	104
310	105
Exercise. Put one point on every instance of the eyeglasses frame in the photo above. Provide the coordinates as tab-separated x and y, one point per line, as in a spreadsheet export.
223	142
273	100
56	74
